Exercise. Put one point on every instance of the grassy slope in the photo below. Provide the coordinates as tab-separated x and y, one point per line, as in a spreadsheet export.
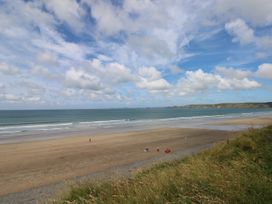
237	171
233	105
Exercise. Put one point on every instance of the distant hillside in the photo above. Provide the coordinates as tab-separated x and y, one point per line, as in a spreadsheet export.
232	105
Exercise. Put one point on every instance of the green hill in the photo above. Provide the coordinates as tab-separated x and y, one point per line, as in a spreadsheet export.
236	171
232	105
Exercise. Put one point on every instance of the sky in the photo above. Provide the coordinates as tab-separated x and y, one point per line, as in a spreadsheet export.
134	53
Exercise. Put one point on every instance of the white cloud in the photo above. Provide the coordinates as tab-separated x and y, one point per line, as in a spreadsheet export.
76	78
58	39
241	32
26	29
151	49
110	72
150	39
257	13
196	82
104	58
98	80
238	84
262	55
43	72
33	99
108	18
265	71
19	24
23	91
118	73
17	18
47	58
151	80
265	43
150	73
68	11
11	98
108	76
245	35
69	92
103	95
230	72
199	81
137	5
53	42
8	69
32	89
154	86
175	69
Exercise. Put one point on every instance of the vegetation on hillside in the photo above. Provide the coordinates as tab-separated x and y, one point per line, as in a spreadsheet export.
232	105
236	171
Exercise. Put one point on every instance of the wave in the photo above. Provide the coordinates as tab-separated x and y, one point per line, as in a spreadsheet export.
25	128
114	123
58	126
38	125
103	122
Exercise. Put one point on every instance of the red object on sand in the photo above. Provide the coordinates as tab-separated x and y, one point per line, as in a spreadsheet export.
167	150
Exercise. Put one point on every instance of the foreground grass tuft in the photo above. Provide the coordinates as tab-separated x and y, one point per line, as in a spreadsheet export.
237	171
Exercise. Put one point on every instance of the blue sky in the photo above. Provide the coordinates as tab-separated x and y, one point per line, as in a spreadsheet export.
134	53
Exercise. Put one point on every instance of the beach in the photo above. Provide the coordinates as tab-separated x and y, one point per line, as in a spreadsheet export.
256	121
102	90
33	164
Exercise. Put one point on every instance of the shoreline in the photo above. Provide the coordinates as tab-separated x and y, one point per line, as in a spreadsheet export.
35	170
216	122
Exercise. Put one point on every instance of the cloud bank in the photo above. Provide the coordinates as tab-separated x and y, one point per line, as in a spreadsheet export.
127	52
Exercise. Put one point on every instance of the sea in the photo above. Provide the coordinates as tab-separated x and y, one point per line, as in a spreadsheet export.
21	125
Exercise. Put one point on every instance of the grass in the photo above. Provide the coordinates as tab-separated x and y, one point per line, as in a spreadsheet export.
236	171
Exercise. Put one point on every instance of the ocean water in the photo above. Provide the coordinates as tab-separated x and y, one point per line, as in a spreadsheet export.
21	123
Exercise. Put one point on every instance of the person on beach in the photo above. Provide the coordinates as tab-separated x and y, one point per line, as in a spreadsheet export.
167	150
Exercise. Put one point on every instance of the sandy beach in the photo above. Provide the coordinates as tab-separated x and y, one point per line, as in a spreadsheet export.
29	165
256	121
32	164
100	89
